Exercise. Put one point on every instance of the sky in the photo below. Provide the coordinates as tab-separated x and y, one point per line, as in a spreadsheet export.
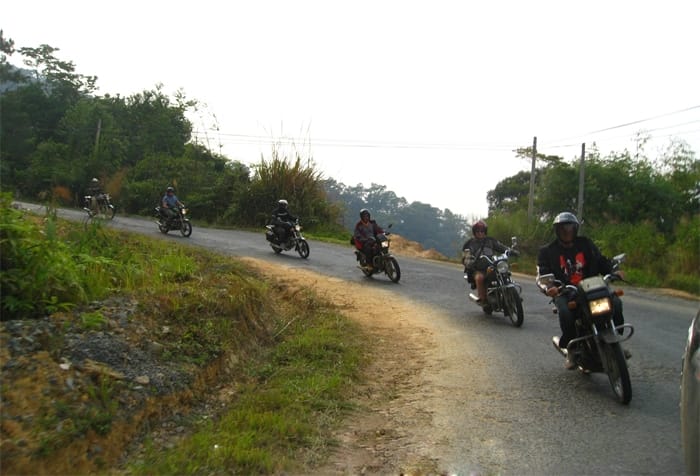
426	98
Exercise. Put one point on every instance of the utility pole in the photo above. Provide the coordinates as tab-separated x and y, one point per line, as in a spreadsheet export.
97	137
531	198
581	175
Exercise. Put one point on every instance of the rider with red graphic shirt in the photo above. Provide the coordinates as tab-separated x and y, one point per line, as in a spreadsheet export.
572	258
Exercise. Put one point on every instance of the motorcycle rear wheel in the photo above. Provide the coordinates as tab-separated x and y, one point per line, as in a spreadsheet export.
392	269
163	228
513	305
186	229
618	374
303	249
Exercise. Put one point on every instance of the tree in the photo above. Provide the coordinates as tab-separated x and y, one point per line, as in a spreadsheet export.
510	194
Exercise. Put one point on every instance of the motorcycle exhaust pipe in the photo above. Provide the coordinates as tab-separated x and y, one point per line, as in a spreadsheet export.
473	297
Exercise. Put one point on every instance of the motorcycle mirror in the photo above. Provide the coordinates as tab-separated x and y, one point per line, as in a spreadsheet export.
513	241
619	258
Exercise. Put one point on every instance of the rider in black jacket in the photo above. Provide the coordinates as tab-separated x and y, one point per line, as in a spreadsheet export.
283	220
473	249
572	258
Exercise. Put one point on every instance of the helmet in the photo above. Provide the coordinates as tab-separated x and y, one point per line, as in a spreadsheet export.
364	211
480	225
282	203
94	180
565	218
170	189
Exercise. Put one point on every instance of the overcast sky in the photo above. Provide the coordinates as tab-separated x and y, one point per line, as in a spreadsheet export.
428	98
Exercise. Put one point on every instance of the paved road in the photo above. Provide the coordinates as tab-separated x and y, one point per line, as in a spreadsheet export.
528	415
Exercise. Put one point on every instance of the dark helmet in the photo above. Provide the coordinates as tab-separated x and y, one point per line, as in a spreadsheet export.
565	218
480	225
282	203
364	211
169	189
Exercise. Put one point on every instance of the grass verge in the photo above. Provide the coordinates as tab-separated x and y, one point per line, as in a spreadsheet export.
142	329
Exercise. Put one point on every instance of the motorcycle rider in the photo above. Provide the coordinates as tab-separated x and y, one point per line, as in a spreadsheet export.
572	258
474	248
283	220
169	203
94	190
364	235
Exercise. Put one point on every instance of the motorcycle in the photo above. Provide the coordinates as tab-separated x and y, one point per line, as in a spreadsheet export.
105	207
502	292
178	222
295	240
382	260
597	345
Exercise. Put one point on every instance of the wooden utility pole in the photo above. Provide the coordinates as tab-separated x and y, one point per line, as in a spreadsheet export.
97	137
531	198
581	175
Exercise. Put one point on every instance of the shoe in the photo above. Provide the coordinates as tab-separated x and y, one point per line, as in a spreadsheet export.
568	364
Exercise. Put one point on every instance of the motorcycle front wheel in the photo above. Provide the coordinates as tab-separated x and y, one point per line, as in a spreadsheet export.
392	269
186	229
618	374
513	306
108	211
303	248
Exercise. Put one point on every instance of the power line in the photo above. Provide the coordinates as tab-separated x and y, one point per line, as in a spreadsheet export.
645	120
639	121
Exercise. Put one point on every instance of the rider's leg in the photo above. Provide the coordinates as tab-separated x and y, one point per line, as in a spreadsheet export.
566	321
480	285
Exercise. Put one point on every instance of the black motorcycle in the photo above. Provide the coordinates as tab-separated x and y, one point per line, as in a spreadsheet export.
597	345
293	240
382	259
178	222
105	208
502	292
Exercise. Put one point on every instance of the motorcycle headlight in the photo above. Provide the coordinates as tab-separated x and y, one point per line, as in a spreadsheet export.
600	306
184	211
502	267
297	227
385	244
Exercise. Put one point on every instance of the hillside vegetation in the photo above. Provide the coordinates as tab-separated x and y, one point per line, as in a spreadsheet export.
58	133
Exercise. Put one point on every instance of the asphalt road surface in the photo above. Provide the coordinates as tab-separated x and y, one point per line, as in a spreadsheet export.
534	417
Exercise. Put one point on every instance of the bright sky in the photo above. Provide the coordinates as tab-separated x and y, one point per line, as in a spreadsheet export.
428	98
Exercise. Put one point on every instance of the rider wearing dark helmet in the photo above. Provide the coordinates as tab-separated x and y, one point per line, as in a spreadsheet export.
571	258
364	235
474	248
169	203
283	220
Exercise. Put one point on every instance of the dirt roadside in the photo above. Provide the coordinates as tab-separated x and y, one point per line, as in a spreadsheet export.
390	431
387	435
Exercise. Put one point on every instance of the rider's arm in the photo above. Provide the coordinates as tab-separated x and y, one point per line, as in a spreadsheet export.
543	267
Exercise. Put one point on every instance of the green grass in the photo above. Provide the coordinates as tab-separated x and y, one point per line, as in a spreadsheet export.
292	399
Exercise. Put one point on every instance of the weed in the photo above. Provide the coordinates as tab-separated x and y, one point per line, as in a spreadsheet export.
92	320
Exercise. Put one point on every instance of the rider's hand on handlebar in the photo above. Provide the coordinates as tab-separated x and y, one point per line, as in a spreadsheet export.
552	291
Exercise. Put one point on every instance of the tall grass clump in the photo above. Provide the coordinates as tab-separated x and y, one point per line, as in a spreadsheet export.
38	274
